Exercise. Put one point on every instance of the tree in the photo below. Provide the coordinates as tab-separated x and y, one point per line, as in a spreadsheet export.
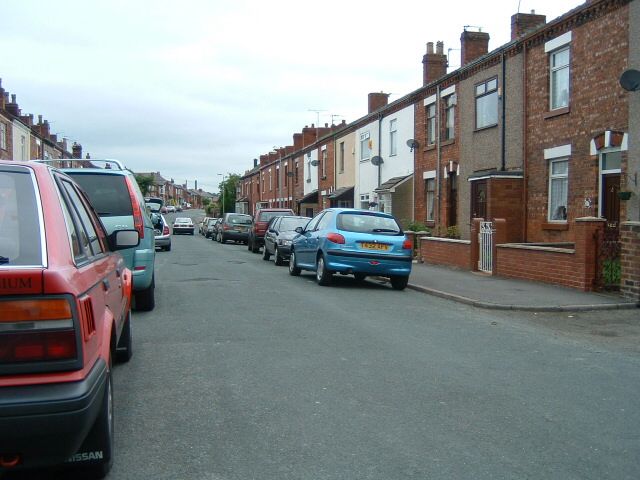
144	182
206	201
227	200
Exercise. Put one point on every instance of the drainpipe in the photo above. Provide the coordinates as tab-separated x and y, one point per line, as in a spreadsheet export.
525	190
438	154
503	146
379	151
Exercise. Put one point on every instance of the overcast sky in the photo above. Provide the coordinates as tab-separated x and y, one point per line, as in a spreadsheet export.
196	88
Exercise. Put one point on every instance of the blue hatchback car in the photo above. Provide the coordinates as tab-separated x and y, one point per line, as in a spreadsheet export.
355	242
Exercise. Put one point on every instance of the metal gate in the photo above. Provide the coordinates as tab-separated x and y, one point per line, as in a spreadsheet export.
608	257
485	240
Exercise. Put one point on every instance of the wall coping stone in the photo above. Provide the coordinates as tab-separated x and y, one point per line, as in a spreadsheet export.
520	246
448	240
591	219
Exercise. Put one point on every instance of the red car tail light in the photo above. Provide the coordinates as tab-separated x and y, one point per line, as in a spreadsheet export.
407	245
336	238
165	230
36	330
138	222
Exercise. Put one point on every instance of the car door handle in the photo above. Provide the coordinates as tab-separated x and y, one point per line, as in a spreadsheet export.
118	272
106	285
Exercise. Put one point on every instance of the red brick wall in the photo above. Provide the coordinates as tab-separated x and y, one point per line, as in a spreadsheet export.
327	183
598	48
630	260
445	252
505	201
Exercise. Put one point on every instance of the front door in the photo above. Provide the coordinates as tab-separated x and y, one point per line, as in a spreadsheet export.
610	199
479	199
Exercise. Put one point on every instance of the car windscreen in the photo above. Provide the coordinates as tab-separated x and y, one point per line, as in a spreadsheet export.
266	216
291	223
239	219
182	220
367	223
20	233
108	193
211	221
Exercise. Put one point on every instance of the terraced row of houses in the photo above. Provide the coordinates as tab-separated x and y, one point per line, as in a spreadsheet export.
523	162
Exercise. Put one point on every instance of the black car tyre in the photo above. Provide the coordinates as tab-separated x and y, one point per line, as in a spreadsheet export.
102	431
294	270
399	282
279	259
359	277
168	248
249	244
265	253
323	276
255	248
145	299
124	349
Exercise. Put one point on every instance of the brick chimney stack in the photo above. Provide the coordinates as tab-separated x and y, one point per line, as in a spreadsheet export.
523	23
309	135
76	150
12	106
473	46
377	101
434	64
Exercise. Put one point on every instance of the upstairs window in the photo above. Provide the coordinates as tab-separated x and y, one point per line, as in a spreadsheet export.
341	158
487	103
3	136
449	117
365	146
559	76
431	124
393	137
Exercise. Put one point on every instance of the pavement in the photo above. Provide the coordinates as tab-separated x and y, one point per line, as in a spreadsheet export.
499	293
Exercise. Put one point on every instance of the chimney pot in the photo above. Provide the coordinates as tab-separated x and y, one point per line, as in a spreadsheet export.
13	98
434	65
429	47
440	48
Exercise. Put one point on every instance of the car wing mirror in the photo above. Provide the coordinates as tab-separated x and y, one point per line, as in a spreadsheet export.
299	230
121	239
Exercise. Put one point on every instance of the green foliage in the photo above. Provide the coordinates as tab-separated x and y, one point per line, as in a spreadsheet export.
144	182
417	227
210	209
453	232
611	271
206	201
227	200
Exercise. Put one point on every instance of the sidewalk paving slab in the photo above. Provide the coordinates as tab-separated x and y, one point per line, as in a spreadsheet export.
501	293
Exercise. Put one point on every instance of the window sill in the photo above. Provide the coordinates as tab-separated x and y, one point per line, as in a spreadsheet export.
430	147
557	112
444	143
430	223
482	129
324	177
555	226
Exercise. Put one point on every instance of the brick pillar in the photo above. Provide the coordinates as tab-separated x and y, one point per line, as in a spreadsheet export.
500	236
630	260
586	251
474	254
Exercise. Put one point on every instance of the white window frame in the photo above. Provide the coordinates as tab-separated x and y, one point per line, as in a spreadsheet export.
364	198
3	136
430	198
393	137
450	102
324	162
431	123
554	71
341	158
551	208
365	139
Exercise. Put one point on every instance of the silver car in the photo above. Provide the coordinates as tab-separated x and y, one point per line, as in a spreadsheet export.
161	232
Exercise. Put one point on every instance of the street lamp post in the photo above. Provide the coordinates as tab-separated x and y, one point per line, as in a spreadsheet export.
222	191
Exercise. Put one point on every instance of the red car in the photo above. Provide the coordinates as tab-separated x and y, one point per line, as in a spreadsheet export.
259	225
65	316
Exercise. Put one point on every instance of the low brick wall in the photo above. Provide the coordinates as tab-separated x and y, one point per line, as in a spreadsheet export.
541	264
630	260
445	251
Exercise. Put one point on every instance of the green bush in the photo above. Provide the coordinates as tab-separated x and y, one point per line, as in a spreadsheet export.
611	271
417	227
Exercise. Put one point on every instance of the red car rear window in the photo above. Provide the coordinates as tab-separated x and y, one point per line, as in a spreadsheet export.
20	229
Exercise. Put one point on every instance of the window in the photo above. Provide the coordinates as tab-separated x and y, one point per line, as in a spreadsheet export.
341	158
559	76
277	178
487	103
365	146
296	172
270	181
364	201
324	163
3	136
23	148
430	189
431	124
286	175
393	137
558	189
263	183
88	236
450	117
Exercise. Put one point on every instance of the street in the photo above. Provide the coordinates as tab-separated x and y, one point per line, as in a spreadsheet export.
244	372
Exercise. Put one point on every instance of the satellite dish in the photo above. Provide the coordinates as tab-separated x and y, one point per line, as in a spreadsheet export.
412	144
630	80
314	163
377	160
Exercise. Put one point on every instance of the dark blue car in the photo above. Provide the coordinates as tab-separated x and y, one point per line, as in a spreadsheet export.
351	241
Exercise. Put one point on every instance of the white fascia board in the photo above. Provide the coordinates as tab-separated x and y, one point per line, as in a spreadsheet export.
557	152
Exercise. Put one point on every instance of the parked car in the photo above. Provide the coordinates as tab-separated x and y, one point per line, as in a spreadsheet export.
280	233
171	209
163	210
183	225
355	242
65	315
234	226
216	228
114	192
209	227
154	204
259	225
202	225
161	232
